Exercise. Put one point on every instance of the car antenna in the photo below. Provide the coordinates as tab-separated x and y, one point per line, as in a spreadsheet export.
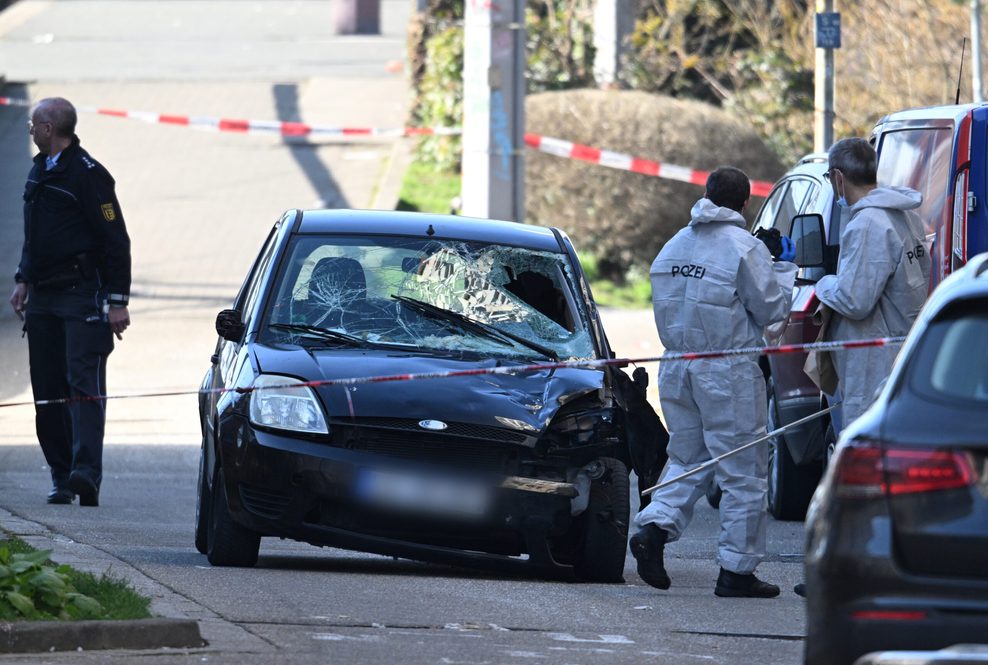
957	98
430	231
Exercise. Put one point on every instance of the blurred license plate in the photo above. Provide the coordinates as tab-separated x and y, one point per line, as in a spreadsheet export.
435	495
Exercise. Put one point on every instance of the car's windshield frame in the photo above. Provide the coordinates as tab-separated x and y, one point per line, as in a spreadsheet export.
465	262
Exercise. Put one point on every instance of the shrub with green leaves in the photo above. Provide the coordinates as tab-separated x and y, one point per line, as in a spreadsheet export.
31	587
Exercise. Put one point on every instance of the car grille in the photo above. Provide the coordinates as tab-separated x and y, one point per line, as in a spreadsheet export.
264	502
465	430
447	450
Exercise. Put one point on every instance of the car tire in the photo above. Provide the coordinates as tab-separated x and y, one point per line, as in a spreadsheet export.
230	544
604	541
790	486
714	493
203	501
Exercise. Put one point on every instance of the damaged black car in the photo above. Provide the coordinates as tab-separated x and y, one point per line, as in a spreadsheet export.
421	386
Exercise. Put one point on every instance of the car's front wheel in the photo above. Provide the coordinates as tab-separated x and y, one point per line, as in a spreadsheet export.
230	544
604	538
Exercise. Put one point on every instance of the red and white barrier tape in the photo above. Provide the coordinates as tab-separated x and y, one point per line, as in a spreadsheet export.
547	144
292	129
588	364
625	162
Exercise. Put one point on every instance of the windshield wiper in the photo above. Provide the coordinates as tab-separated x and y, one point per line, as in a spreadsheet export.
320	333
476	327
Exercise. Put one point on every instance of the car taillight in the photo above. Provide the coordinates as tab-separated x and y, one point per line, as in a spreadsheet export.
870	471
889	615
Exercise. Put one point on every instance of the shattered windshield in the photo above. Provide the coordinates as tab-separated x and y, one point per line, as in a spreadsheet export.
442	295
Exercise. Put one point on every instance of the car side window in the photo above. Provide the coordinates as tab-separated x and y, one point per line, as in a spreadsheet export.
801	192
246	305
770	209
787	201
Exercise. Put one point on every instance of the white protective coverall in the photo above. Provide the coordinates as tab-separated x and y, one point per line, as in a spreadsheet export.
715	286
883	277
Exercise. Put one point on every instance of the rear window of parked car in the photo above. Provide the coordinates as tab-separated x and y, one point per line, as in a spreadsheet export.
952	362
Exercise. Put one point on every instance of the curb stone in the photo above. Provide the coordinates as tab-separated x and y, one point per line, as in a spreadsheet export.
49	636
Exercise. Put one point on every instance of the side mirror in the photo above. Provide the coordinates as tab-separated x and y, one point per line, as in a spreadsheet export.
229	326
807	234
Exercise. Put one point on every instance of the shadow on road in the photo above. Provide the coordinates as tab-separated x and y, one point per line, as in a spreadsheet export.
322	180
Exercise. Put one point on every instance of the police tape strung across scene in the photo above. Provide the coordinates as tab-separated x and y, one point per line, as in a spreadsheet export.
293	129
624	162
547	144
537	367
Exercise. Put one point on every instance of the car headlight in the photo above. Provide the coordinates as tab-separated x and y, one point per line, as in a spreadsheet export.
286	406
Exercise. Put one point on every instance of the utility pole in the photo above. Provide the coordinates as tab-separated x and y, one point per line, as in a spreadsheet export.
494	109
613	21
827	39
358	17
976	51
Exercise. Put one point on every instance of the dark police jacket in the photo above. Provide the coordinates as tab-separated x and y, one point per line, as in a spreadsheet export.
72	222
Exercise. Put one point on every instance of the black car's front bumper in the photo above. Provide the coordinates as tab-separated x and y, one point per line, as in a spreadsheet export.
307	490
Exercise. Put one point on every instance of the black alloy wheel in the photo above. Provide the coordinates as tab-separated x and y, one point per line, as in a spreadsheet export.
604	542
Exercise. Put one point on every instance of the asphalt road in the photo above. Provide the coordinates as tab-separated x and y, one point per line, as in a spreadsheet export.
198	205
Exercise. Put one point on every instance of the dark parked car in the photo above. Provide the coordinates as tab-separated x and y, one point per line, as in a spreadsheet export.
509	468
897	532
796	457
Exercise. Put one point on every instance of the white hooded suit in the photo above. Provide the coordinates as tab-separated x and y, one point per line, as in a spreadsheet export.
882	280
715	286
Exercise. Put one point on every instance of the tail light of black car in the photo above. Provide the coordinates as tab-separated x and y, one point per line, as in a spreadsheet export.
872	470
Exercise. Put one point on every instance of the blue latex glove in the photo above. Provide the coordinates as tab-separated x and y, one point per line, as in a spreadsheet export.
779	246
788	252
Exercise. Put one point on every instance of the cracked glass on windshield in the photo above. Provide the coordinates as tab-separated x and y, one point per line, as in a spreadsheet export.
428	294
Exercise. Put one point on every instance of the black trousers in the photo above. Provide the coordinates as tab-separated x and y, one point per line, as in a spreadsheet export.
69	340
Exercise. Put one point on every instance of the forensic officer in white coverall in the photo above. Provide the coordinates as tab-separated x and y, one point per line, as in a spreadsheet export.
715	286
883	273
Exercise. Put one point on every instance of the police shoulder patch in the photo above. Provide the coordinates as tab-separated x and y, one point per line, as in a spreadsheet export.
109	214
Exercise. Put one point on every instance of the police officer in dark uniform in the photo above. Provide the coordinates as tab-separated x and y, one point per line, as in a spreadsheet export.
73	286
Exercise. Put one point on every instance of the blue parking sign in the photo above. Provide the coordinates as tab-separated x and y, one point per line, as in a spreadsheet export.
828	30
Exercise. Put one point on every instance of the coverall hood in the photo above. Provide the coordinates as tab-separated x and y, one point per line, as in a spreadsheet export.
705	211
893	198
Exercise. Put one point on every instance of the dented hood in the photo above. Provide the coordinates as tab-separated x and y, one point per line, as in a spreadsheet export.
525	401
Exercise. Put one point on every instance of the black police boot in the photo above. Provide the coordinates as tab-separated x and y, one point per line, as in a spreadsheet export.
647	547
734	585
87	490
800	589
60	495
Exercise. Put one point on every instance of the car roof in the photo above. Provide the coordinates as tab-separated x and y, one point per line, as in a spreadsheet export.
948	112
427	225
969	282
814	163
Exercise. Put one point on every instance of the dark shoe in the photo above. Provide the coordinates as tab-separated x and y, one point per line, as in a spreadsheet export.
733	585
60	495
800	589
87	490
647	546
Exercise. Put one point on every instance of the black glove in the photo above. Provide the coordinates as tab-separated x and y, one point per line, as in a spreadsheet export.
779	246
